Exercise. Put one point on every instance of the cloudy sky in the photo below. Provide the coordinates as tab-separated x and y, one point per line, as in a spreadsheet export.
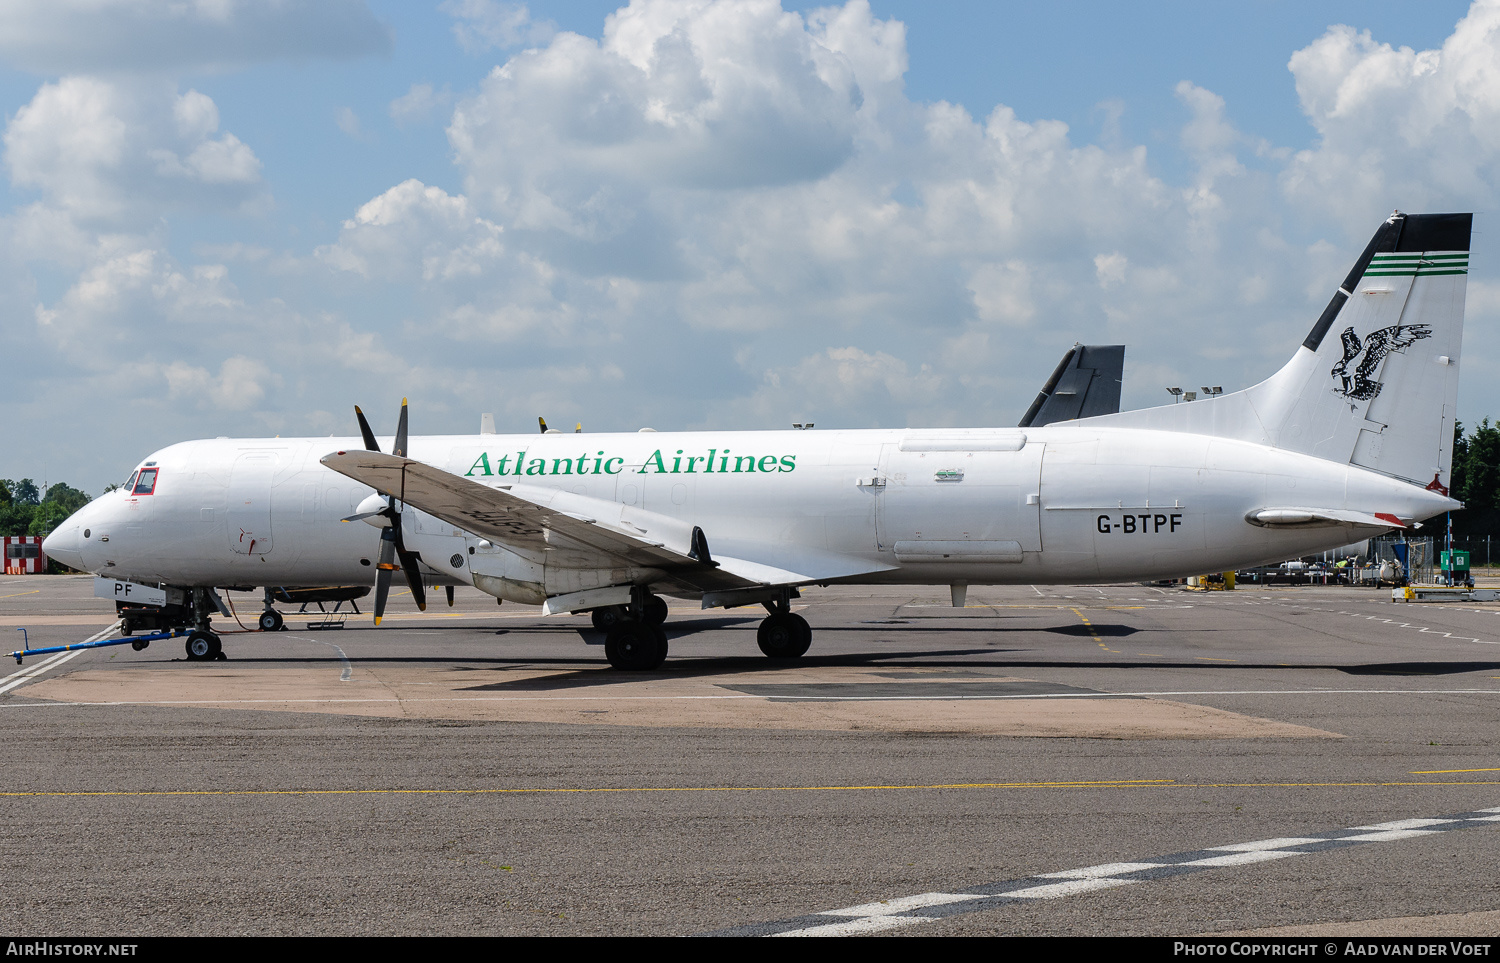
242	217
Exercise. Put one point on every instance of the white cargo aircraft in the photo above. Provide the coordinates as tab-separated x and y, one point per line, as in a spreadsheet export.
1351	438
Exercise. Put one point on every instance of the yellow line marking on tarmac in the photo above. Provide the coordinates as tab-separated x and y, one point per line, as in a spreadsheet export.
1022	605
1093	632
1438	772
540	790
19	594
1122	783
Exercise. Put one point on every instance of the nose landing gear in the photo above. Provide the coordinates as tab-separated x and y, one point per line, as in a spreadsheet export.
202	646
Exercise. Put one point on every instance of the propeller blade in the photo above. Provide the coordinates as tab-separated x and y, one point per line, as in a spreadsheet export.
409	567
383	572
449	589
399	449
542	422
579	429
413	577
364	430
362	516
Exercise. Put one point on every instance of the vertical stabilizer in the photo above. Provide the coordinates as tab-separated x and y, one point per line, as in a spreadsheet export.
1375	383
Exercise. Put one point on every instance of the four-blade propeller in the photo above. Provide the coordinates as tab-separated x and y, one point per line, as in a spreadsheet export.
392	548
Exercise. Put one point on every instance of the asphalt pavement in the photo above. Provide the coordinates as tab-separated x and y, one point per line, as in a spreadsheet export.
1111	760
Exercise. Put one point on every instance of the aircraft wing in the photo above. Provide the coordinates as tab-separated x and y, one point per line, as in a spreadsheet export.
529	526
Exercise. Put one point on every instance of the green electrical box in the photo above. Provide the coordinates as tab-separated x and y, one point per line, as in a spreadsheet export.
1455	561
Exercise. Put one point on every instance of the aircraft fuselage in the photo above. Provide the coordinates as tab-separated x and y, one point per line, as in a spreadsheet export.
1061	504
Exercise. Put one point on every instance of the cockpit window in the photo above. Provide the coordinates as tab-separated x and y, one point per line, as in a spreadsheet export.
131	484
145	483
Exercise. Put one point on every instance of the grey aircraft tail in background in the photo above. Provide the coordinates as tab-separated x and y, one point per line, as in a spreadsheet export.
1086	383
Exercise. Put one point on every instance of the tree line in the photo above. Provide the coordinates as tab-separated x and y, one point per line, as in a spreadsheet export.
1476	480
26	510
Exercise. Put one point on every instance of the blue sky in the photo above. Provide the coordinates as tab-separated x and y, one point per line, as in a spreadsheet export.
244	218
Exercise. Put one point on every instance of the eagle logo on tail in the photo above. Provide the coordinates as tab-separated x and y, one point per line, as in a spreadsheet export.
1358	383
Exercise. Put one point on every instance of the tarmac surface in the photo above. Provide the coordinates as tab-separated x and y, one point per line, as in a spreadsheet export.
1050	760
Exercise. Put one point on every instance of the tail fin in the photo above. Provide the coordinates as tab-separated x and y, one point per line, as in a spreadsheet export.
1085	383
1381	392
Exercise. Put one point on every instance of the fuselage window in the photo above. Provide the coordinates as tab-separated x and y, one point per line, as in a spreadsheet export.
146	483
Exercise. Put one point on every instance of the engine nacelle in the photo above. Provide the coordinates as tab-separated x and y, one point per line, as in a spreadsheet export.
516	578
504	574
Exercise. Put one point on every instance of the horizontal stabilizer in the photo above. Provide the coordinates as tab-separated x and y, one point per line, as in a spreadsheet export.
1324	518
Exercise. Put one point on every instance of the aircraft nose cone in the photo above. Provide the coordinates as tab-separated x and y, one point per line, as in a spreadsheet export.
65	544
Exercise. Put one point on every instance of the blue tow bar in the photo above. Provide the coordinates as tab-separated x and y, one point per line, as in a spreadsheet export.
137	640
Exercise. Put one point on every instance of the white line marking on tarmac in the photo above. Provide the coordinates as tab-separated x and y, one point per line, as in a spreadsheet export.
902	905
860	927
19	678
348	672
1419	628
1070	887
21	675
930	907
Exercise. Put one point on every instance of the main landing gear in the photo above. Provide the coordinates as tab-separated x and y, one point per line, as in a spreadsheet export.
612	615
783	634
634	641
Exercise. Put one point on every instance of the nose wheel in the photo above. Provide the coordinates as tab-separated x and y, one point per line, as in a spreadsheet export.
270	621
203	646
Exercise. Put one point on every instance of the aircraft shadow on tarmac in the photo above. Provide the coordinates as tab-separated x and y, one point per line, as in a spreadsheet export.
1419	668
591	670
1110	631
990	659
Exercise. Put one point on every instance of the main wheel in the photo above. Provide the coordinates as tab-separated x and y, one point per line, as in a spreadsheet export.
270	621
656	610
784	636
608	617
635	647
203	645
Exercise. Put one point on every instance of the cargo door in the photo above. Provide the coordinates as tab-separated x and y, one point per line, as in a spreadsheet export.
249	509
960	496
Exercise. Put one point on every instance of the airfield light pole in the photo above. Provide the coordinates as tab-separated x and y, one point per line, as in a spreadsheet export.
1176	394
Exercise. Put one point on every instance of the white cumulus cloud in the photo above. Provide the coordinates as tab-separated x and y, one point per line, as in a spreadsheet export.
93	36
117	151
1397	126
